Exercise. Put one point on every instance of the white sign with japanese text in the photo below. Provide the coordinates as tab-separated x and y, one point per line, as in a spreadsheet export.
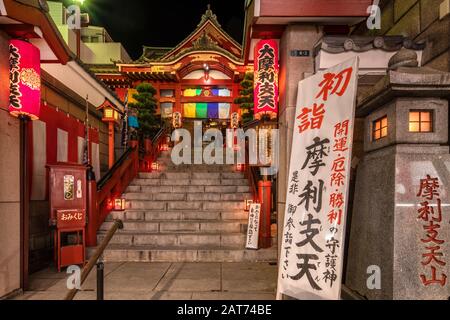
311	258
253	226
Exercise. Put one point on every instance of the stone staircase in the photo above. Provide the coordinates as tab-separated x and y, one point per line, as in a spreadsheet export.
186	213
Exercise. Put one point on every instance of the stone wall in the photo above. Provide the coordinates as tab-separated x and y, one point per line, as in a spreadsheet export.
9	186
418	20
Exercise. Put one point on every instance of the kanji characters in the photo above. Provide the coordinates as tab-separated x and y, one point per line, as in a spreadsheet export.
311	118
334	84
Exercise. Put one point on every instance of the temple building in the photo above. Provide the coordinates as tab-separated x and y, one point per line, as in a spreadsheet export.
199	78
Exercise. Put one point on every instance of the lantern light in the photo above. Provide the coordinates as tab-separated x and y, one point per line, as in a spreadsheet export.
108	113
110	204
119	204
155	166
248	204
25	79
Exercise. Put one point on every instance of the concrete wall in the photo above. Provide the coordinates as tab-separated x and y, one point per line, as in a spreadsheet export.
418	20
9	186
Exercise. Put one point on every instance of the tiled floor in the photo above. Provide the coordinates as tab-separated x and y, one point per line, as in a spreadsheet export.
165	281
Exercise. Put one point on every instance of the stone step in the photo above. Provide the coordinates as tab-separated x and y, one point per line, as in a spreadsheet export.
202	253
133	215
203	196
189	182
186	205
199	168
193	226
188	189
235	240
191	175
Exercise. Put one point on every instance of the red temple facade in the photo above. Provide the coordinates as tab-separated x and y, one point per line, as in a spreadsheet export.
199	78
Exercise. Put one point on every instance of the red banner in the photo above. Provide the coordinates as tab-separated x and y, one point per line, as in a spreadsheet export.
266	79
25	79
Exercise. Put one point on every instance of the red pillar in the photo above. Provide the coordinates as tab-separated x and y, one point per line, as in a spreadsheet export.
111	144
264	192
93	212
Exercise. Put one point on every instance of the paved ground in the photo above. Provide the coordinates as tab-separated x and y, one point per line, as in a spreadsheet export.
165	281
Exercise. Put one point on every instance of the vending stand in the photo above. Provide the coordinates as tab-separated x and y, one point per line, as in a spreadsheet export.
68	208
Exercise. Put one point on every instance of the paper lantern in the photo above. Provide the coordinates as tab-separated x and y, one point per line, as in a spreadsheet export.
266	79
177	121
119	204
25	79
234	120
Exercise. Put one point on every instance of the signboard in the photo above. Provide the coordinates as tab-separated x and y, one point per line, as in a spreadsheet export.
253	226
266	79
67	219
25	79
317	194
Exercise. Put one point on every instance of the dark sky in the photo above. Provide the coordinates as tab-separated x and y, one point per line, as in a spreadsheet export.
160	22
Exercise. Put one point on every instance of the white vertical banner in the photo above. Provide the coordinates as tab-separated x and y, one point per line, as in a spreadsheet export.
253	226
311	258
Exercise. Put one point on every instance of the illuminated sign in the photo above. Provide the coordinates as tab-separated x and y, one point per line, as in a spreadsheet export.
266	79
25	79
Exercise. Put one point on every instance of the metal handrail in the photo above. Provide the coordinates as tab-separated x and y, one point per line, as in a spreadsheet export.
116	165
118	224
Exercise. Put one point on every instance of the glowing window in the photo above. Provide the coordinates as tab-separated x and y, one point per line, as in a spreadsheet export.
380	128
420	121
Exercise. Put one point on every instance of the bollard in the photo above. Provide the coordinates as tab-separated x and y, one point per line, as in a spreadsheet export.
100	283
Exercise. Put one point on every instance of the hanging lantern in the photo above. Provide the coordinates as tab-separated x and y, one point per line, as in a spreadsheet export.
177	120
25	79
234	120
266	79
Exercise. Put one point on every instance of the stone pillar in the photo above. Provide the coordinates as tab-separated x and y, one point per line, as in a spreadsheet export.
10	186
386	230
293	69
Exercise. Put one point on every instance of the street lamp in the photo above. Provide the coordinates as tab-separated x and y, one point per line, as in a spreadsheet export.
111	116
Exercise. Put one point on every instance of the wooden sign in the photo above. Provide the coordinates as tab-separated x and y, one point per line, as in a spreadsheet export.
253	226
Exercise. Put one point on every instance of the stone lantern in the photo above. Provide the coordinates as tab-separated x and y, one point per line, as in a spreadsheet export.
399	243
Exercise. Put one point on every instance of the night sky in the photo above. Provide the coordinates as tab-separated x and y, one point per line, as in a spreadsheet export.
160	22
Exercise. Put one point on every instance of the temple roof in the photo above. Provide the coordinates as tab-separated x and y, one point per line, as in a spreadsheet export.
208	36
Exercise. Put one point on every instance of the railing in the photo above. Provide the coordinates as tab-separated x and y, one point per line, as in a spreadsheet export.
152	150
94	260
251	172
101	196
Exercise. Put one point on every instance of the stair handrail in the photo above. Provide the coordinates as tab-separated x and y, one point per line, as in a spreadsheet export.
101	183
118	224
101	195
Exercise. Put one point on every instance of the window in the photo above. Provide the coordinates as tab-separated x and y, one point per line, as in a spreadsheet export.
167	93
380	128
420	121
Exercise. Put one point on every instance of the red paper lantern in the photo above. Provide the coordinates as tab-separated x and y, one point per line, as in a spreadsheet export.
266	79
25	79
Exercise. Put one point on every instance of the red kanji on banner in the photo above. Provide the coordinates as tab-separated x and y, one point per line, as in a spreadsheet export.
335	215
311	118
336	83
336	200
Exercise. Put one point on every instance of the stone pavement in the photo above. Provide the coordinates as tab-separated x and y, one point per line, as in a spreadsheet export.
165	281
